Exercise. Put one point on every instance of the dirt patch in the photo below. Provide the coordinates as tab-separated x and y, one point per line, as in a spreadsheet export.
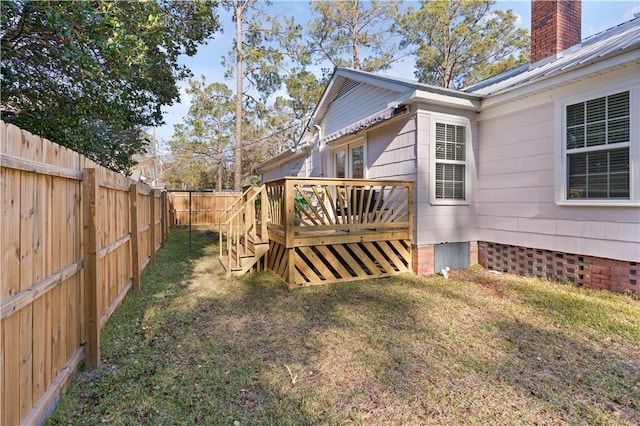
491	282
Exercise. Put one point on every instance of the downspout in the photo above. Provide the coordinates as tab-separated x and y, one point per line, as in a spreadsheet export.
320	150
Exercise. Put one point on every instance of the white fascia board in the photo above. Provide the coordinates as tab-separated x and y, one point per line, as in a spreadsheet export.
561	77
320	106
401	99
379	80
466	102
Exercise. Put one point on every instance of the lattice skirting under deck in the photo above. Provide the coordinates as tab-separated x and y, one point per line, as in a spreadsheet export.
323	264
587	271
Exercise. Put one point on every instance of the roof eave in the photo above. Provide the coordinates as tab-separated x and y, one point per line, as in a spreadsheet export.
453	99
363	76
560	77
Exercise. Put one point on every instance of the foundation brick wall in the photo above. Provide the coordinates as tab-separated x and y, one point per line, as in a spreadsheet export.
473	252
587	271
423	259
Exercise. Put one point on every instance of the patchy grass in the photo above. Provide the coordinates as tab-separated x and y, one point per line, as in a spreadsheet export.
196	347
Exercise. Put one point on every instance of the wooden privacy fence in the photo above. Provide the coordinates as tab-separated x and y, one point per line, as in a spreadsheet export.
75	237
203	207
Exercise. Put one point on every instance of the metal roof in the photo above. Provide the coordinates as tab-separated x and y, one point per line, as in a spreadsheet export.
611	42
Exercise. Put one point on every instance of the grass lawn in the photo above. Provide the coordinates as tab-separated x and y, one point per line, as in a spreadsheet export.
196	347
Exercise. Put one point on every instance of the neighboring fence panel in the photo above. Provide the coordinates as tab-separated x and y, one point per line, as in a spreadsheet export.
51	271
206	207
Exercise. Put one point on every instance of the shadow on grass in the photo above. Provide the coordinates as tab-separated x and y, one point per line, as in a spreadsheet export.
196	347
581	380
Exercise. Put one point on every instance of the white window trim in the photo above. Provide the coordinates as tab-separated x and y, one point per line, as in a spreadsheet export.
457	121
348	144
634	148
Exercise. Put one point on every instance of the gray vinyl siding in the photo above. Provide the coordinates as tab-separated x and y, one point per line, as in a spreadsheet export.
515	197
360	102
318	165
437	224
296	167
391	151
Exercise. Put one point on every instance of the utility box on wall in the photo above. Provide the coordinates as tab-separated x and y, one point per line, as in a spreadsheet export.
453	255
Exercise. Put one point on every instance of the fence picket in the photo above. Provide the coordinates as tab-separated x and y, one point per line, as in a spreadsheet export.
58	226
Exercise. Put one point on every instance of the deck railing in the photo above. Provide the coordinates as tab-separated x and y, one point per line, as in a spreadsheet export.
243	223
325	230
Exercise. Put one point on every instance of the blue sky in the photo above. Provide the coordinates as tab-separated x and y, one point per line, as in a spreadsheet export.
597	16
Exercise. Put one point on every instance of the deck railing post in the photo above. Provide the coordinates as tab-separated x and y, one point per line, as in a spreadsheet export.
289	222
410	219
264	213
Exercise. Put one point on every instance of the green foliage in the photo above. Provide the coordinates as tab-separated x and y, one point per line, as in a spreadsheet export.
91	75
288	116
263	47
204	137
344	31
461	42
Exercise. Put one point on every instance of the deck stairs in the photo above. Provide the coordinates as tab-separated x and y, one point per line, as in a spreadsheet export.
244	239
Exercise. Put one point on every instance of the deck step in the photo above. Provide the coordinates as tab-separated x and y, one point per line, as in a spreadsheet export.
246	261
248	249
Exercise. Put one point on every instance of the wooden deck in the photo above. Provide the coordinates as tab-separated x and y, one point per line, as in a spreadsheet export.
329	230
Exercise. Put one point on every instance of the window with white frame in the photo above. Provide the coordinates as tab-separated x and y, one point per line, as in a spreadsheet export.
597	148
449	165
348	160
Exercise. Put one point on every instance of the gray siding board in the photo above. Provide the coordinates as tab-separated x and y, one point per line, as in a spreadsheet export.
359	103
295	167
391	151
516	190
437	224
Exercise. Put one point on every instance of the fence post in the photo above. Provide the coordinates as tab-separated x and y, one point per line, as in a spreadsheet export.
152	230
163	217
133	217
90	249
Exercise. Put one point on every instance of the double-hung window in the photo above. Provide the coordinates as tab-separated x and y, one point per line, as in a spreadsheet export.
449	152
599	161
597	148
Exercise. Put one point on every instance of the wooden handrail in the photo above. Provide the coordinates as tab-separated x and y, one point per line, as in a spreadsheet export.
233	205
241	222
303	205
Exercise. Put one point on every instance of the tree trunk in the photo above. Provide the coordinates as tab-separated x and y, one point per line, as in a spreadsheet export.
219	176
237	177
354	36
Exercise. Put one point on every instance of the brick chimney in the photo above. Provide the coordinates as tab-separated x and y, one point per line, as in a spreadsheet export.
556	25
